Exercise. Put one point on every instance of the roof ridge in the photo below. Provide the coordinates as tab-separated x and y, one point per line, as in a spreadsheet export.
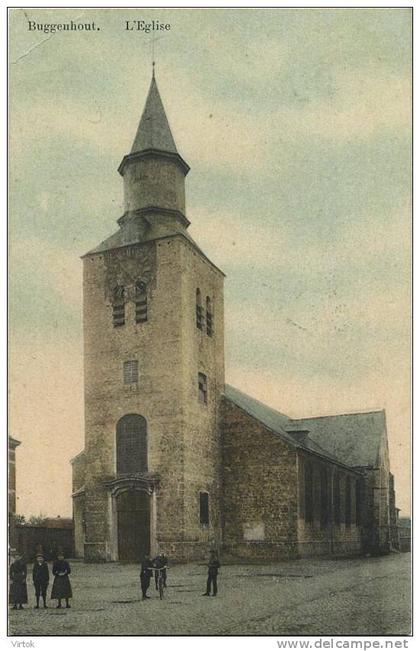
350	413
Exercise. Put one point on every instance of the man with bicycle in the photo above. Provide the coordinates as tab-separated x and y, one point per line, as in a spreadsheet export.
160	564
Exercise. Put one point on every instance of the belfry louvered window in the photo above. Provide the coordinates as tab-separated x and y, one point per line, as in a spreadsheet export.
141	301
118	306
199	317
131	444
209	317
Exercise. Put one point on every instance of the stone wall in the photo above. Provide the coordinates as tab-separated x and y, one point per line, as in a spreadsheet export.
259	489
182	433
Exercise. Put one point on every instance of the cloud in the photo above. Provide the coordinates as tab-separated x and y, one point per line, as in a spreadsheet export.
360	106
58	270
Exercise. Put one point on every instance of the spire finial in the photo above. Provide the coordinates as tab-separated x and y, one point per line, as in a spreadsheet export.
153	69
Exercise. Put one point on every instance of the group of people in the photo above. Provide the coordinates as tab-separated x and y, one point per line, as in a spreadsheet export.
159	566
61	589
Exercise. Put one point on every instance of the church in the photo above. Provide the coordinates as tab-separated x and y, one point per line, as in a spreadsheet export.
175	459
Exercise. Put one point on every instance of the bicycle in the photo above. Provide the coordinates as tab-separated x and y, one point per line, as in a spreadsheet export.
161	581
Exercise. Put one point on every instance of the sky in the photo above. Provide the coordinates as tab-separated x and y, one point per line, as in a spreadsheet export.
297	126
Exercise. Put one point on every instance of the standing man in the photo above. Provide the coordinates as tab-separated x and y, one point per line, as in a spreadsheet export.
159	562
41	579
145	575
213	566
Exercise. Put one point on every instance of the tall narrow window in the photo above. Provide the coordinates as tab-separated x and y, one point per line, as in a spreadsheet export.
141	301
199	320
202	388
348	502
309	493
209	317
325	502
131	372
204	508
337	499
359	501
118	306
131	444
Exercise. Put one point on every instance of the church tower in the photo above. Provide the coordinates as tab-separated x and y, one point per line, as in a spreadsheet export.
149	477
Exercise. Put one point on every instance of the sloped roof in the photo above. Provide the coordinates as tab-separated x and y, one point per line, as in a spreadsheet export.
153	131
355	439
275	421
349	439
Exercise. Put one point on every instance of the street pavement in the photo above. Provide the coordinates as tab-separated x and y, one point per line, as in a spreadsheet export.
362	596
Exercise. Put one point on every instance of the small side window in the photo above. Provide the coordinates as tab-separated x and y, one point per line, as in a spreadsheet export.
202	388
204	508
209	317
199	318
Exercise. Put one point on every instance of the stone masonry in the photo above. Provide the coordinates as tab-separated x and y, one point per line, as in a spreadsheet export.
175	459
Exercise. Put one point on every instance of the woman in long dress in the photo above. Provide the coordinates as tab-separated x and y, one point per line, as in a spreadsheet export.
61	587
18	593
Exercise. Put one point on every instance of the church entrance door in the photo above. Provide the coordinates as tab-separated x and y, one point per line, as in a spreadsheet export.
133	510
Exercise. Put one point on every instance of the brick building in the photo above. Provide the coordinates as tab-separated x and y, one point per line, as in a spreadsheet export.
173	457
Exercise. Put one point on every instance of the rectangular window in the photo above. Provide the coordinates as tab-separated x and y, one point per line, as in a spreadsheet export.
337	499
348	502
359	501
204	508
309	493
202	388
325	502
131	372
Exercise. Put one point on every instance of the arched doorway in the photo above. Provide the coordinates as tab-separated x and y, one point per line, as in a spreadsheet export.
133	522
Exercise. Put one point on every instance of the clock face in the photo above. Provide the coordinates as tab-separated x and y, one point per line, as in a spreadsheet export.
131	268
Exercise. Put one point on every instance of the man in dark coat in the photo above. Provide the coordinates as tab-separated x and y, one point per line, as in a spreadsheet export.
213	566
18	593
146	572
41	579
61	587
159	562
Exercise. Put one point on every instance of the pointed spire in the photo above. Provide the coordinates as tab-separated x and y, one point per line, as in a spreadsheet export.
153	131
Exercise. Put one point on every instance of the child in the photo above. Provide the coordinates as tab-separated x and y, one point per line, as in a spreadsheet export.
41	578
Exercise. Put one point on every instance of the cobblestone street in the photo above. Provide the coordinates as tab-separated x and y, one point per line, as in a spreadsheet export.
369	596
